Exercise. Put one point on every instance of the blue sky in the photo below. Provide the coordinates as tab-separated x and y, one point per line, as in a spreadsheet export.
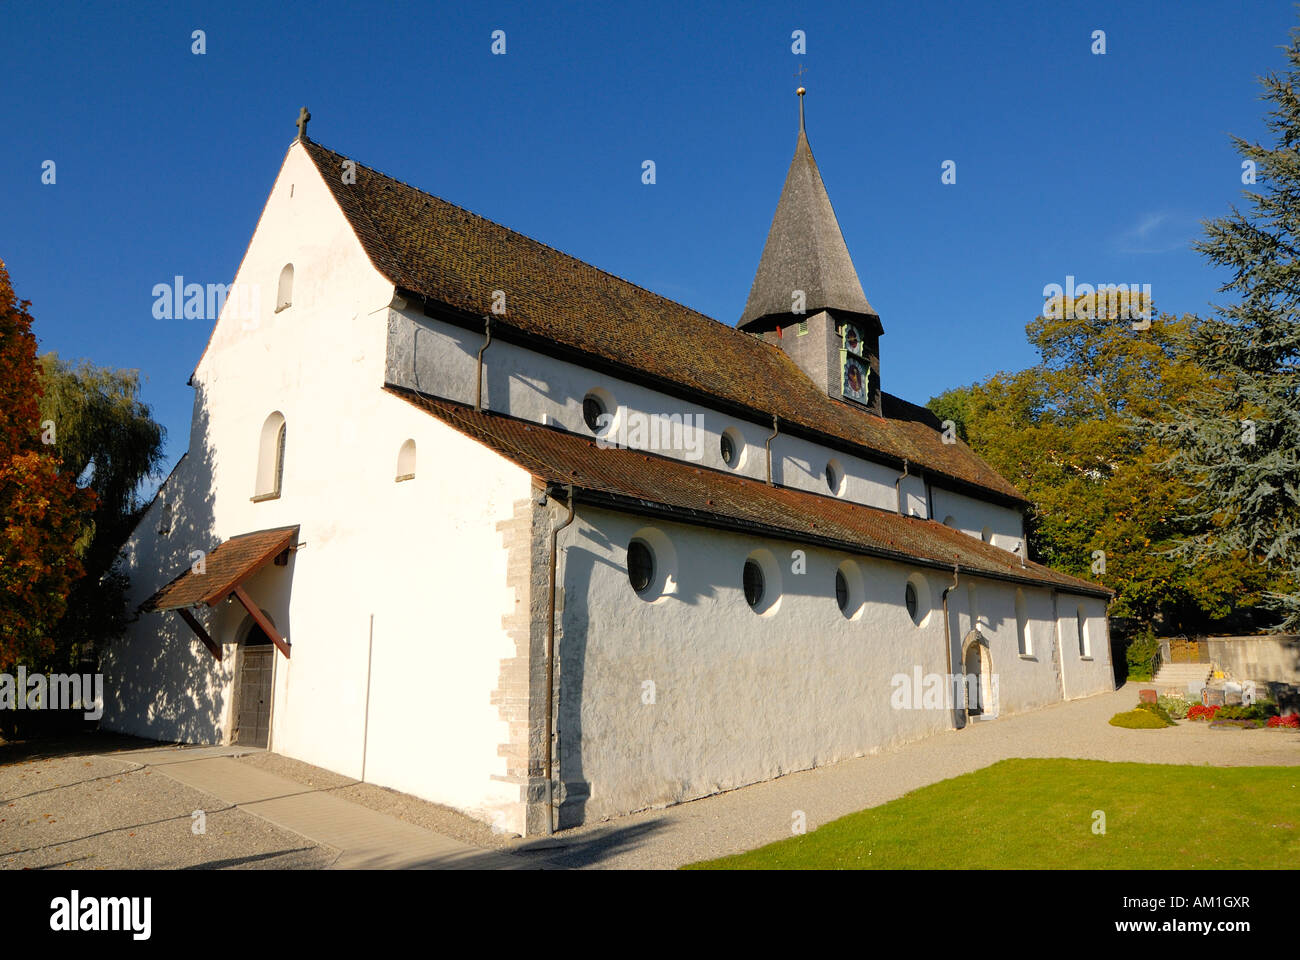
1068	163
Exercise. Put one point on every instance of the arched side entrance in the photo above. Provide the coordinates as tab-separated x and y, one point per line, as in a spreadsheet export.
977	669
255	672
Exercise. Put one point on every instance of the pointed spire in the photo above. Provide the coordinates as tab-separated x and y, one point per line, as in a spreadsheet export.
805	250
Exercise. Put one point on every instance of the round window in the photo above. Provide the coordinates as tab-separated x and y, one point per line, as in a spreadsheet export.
842	592
909	597
593	408
728	449
640	565
753	583
832	478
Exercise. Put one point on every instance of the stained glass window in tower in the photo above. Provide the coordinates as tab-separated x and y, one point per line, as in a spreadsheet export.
856	375
852	340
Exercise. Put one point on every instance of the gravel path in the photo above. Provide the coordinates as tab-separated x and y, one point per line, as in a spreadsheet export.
85	811
107	812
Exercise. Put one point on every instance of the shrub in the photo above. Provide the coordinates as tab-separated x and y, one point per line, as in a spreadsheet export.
1159	711
1239	724
1141	655
1257	712
1139	720
1175	707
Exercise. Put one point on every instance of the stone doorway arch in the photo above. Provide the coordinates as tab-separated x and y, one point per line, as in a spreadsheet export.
979	686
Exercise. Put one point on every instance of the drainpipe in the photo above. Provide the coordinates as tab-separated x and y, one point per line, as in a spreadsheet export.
478	380
550	666
776	428
947	633
898	486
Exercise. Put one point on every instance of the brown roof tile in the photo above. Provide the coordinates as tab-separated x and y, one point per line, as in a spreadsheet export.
450	256
225	568
633	480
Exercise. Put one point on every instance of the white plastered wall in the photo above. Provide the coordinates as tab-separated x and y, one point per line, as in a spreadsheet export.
439	358
423	556
971	516
741	697
1083	675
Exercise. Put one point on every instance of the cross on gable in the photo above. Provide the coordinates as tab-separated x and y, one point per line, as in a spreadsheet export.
303	117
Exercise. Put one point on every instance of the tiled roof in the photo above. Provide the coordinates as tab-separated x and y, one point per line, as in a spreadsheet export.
449	256
225	568
643	482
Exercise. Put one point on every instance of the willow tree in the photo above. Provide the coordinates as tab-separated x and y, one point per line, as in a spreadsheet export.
106	438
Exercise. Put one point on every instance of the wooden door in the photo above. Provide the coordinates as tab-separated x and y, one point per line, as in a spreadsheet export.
253	727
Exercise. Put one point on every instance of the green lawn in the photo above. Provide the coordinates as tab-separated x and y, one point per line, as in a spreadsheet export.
1038	814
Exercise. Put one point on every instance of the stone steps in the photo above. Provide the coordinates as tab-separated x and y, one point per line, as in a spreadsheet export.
1181	674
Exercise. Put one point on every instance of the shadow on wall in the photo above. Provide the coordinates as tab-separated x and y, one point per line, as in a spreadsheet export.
583	560
159	681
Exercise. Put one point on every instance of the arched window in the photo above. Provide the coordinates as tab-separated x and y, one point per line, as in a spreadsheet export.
1022	626
284	294
598	410
834	477
761	582
732	448
270	458
1082	622
640	565
753	583
651	565
406	461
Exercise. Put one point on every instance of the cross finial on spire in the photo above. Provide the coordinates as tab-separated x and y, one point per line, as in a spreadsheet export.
303	117
801	91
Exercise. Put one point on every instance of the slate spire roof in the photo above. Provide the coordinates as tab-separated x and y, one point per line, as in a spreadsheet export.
805	250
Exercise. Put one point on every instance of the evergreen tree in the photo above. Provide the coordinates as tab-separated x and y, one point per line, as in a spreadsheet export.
1236	438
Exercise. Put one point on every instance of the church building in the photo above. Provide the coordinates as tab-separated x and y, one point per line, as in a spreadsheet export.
471	519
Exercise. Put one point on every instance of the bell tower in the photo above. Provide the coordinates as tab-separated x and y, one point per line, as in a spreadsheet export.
806	297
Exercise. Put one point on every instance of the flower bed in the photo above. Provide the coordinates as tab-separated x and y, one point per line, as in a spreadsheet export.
1291	722
1199	712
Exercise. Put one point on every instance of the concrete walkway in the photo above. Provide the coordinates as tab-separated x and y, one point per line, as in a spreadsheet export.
365	838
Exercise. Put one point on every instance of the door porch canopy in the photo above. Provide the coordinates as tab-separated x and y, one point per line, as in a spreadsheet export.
221	576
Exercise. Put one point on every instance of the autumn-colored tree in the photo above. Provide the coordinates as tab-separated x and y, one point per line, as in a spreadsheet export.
1063	432
42	511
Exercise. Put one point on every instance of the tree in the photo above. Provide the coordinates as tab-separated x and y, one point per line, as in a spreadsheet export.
1101	508
1236	437
42	512
108	439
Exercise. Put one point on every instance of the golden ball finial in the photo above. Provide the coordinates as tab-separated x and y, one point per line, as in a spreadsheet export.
801	91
